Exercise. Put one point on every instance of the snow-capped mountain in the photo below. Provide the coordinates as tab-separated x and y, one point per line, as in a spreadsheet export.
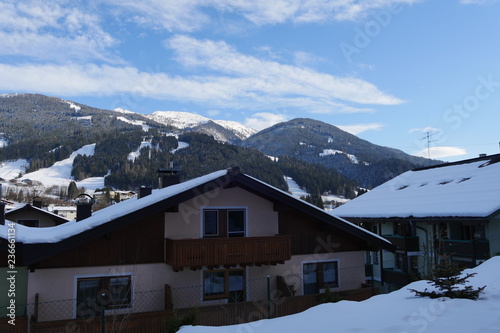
221	130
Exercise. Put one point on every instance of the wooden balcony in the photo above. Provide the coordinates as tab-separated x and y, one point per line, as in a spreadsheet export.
395	276
407	243
474	249
214	252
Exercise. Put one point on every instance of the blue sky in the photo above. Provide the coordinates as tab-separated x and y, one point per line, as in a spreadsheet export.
388	71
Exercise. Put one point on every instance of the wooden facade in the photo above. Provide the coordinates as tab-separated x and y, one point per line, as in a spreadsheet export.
136	243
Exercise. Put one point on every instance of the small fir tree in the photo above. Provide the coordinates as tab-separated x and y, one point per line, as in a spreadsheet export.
448	280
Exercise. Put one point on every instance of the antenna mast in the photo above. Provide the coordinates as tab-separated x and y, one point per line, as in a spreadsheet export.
428	137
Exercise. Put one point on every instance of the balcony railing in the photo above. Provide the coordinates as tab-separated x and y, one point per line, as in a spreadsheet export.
213	252
475	249
395	276
408	243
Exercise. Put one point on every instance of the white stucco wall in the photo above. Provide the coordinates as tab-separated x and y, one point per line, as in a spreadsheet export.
262	220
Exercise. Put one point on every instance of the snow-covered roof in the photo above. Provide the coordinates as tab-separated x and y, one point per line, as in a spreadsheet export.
40	210
121	210
55	234
469	188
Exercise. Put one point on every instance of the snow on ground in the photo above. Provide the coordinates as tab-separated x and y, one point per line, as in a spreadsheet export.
327	152
12	169
181	145
178	119
295	189
142	123
120	110
398	312
74	106
135	154
60	172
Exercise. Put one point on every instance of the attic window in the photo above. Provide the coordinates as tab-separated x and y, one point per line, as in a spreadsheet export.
464	179
403	187
445	182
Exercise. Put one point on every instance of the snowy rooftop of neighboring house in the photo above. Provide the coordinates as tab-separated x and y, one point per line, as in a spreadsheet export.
469	188
58	233
71	228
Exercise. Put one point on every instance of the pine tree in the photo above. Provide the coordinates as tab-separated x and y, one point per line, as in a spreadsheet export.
448	280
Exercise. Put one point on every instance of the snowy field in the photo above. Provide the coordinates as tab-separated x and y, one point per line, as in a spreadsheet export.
398	312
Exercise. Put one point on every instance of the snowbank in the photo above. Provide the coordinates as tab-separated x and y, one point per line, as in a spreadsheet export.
398	312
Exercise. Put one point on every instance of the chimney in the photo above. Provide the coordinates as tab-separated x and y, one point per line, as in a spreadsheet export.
83	206
482	155
37	202
2	208
169	176
144	191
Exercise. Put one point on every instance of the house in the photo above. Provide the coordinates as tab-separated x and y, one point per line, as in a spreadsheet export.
222	242
450	210
68	212
32	215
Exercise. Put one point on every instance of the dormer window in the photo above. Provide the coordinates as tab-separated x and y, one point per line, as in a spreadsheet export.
230	222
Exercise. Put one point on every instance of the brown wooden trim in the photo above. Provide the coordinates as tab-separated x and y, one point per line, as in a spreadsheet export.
215	252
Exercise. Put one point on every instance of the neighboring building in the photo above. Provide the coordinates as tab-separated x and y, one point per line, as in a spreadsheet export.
68	212
209	242
451	209
34	216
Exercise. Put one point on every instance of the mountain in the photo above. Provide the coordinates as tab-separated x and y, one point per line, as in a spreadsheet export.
316	142
41	133
221	130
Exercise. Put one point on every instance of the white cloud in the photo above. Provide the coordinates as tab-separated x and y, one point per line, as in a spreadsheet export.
241	81
359	128
440	152
262	120
427	129
190	15
44	30
272	77
477	2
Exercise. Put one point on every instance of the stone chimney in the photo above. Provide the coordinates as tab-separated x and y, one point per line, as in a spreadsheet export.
84	204
144	191
169	176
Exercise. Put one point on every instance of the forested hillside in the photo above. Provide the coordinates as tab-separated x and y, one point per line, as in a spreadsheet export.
130	147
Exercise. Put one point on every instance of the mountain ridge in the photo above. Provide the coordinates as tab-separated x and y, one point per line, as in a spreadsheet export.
319	156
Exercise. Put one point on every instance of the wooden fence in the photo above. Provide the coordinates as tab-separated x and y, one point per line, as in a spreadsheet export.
214	315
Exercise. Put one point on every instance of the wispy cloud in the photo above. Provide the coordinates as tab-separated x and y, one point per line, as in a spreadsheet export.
360	128
48	31
477	2
272	77
427	129
262	120
440	152
188	16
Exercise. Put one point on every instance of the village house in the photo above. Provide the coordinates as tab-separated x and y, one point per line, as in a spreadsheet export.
225	243
450	210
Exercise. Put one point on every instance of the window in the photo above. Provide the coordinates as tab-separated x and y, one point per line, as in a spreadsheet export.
224	284
224	222
402	229
29	223
114	292
320	275
236	223
210	223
